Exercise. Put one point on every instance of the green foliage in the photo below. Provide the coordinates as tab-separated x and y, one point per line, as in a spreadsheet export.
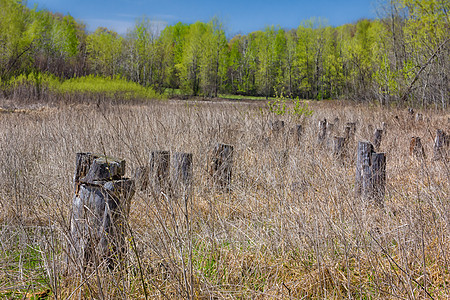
295	107
113	87
116	87
403	55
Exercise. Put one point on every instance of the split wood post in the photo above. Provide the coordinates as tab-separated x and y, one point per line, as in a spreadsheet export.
329	138
298	134
159	172
277	127
441	144
339	147
181	174
370	128
141	177
419	117
378	134
100	209
221	166
416	148
378	176
351	132
322	131
363	170
384	127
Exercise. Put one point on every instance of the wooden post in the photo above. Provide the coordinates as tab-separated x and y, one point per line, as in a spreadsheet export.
100	210
351	131
181	174
377	138
441	144
322	131
416	148
370	174
363	171
141	177
221	165
378	175
298	133
419	117
338	146
277	125
159	172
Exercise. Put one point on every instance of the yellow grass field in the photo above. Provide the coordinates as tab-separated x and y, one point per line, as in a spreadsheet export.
289	228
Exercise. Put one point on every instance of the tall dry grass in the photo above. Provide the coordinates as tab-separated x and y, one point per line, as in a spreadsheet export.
290	228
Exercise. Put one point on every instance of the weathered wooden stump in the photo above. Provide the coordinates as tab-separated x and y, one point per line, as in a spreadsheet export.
370	174
322	131
159	172
419	117
339	147
416	148
441	145
141	177
378	177
278	132
100	210
277	126
221	166
378	134
363	172
181	174
298	134
351	131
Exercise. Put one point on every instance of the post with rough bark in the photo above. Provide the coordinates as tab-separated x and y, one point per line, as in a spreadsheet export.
141	177
221	166
370	174
351	131
322	131
298	134
378	175
416	148
100	210
339	147
159	172
181	175
363	170
277	128
441	145
378	134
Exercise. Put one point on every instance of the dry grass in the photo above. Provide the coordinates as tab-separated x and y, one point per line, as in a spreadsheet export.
287	230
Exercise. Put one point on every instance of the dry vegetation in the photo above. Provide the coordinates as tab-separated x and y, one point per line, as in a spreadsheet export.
287	230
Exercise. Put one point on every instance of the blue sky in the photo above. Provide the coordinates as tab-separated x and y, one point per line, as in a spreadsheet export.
238	16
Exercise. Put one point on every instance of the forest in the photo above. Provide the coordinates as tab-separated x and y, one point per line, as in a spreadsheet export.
401	58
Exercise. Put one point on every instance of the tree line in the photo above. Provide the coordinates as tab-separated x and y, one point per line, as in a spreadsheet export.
402	57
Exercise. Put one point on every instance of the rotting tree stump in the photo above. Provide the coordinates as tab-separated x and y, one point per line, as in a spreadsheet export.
416	148
322	134
221	166
339	149
181	174
159	172
441	145
378	134
100	210
298	134
370	181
